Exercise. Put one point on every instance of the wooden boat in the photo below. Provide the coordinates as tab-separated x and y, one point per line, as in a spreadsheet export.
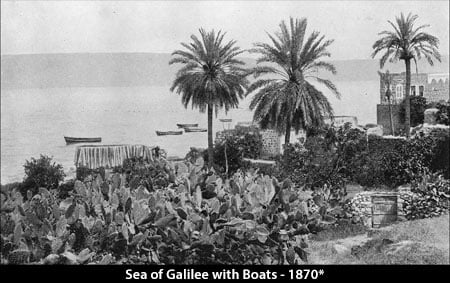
169	133
187	125
79	140
194	130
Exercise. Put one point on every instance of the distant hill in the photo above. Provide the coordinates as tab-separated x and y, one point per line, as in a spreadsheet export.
141	69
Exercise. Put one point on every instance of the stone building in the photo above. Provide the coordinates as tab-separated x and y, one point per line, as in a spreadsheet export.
434	87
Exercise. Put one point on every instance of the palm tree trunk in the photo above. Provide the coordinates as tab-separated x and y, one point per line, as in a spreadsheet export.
287	137
210	136
407	100
391	118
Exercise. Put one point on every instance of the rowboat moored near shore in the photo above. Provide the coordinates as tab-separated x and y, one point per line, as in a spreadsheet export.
169	133
187	125
79	140
195	130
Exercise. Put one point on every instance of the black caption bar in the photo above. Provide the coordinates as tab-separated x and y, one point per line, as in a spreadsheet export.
142	273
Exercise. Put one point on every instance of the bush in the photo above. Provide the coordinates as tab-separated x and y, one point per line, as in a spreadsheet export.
433	197
41	172
326	158
337	156
238	145
418	106
441	162
443	115
65	188
84	172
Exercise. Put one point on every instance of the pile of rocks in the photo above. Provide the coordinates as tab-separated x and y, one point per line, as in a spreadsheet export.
361	204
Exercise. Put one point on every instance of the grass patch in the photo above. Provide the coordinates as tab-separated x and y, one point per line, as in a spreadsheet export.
424	241
432	230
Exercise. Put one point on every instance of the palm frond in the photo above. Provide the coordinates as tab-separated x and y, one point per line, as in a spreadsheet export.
293	57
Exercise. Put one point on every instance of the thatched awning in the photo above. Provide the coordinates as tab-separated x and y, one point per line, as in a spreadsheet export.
109	156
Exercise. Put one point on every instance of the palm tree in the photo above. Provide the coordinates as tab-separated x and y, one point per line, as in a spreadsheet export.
211	77
287	99
406	43
386	78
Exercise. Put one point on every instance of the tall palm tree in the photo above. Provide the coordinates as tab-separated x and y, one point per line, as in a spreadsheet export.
211	77
386	78
406	42
285	98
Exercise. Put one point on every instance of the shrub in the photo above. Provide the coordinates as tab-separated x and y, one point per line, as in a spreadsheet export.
441	161
433	197
443	115
238	145
326	158
41	172
65	188
337	156
84	172
418	106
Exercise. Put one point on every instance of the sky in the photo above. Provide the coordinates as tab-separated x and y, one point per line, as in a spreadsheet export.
156	26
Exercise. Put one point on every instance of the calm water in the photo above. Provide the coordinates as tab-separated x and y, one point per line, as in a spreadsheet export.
34	121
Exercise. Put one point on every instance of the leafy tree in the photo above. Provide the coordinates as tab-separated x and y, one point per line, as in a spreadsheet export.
407	42
418	104
211	77
42	172
287	99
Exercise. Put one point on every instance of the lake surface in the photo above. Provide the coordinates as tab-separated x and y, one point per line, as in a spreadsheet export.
34	121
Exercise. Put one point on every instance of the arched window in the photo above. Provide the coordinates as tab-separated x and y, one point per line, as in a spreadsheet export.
413	90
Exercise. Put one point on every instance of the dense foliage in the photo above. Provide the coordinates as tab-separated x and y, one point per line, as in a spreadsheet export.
326	158
41	172
233	148
432	198
336	157
196	219
418	105
443	115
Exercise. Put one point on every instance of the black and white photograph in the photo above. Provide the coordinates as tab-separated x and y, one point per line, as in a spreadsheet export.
225	133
